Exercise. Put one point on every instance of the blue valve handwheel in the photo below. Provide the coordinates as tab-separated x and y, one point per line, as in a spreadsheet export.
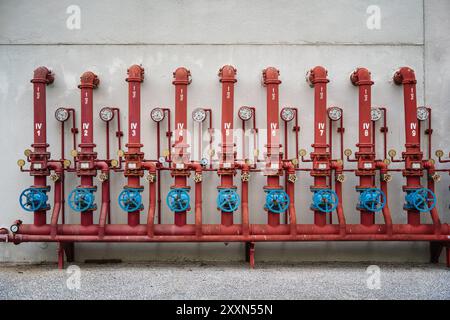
423	199
372	199
33	199
325	200
81	199
277	201
130	199
228	200
178	200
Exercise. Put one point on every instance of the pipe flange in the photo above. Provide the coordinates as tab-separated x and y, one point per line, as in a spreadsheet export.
340	177
435	177
386	177
54	177
245	176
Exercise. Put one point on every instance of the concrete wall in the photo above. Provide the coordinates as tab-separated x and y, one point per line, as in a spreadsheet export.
204	35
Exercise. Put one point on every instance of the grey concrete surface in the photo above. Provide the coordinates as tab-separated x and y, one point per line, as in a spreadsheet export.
227	281
204	35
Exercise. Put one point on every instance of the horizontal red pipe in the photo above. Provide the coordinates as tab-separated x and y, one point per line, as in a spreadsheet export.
220	230
254	238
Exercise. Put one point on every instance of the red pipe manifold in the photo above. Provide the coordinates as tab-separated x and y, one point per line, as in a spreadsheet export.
179	163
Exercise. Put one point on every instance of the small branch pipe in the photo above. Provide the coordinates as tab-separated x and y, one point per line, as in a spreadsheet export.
361	78
227	75
198	199
245	217
273	156
384	187
318	79
106	201
152	170
58	195
338	169
429	166
88	82
42	77
180	156
134	157
290	189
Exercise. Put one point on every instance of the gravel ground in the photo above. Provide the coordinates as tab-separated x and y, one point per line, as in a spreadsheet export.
225	281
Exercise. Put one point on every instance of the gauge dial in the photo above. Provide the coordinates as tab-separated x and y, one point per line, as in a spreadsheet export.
106	114
422	113
157	114
375	114
287	114
334	113
199	115
61	114
245	113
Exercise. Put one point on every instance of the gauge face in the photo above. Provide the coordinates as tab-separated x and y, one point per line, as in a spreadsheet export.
375	114
204	162
199	115
287	114
422	113
161	160
61	114
245	113
334	113
157	114
106	114
14	228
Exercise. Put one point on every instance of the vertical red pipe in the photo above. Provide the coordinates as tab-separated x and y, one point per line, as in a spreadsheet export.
227	76
405	76
180	157
273	156
134	145
366	155
89	81
42	77
320	156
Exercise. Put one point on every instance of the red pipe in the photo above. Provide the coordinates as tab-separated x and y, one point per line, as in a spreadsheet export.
383	184
226	170
366	154
180	156
134	156
42	77
58	197
170	230
88	82
273	156
152	198
320	157
413	155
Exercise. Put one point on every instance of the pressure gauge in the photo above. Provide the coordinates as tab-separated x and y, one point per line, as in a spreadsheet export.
61	114
334	113
199	115
14	228
287	114
204	162
245	113
157	114
375	114
422	113
106	114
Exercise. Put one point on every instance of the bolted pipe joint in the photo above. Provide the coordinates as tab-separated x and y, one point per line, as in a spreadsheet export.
227	74
317	74
404	75
361	76
181	76
89	80
135	73
270	76
43	75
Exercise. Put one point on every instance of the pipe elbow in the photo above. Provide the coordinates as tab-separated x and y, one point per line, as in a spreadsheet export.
43	75
270	76
89	80
318	74
56	166
338	166
404	75
181	76
196	166
102	165
135	73
150	166
361	76
227	73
